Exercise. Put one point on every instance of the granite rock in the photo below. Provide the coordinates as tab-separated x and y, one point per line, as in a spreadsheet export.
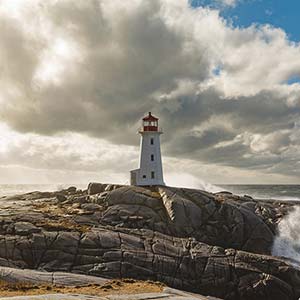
210	244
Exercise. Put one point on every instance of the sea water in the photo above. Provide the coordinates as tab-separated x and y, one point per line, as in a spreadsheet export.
13	189
261	191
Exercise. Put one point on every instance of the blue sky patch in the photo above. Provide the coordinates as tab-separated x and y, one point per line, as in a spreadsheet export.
284	14
217	70
293	79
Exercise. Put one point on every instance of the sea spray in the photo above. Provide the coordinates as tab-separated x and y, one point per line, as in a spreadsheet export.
287	241
186	180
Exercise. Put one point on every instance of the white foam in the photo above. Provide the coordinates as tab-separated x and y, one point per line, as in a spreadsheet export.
287	242
274	198
186	180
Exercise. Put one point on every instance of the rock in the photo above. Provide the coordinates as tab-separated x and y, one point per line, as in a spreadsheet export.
54	297
90	207
157	296
71	189
143	254
61	197
168	294
95	188
99	198
25	228
210	244
187	212
57	278
38	195
224	193
80	199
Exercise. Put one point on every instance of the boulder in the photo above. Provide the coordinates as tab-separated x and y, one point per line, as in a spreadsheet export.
61	197
90	206
13	275
25	228
95	188
187	212
72	189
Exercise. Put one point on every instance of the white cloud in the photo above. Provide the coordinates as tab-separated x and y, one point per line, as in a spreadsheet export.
76	76
230	3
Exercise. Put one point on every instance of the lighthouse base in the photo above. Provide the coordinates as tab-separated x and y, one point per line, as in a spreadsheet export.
138	180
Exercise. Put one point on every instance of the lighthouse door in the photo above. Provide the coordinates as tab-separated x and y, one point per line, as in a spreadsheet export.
133	178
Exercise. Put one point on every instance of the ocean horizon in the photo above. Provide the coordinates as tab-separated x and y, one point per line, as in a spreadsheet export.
260	191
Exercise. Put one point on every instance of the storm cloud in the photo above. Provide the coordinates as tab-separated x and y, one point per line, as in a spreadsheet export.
94	68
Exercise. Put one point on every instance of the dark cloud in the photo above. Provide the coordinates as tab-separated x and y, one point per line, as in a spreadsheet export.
133	57
18	56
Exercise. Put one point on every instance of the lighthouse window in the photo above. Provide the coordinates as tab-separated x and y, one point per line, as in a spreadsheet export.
144	176
152	157
152	175
152	141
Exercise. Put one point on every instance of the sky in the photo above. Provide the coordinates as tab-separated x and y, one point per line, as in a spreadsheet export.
76	77
244	13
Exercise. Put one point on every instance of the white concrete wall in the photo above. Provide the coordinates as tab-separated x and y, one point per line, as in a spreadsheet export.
146	165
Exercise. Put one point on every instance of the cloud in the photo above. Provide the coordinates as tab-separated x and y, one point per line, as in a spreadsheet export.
230	3
219	4
75	158
67	151
127	53
88	70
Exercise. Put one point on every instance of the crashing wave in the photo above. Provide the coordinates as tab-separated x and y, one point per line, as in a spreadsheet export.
287	241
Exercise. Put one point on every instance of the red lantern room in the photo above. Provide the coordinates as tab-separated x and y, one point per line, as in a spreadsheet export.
150	123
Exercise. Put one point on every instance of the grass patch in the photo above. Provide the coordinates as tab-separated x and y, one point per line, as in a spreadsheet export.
63	225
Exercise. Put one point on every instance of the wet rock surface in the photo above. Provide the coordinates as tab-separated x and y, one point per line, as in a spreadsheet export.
167	294
211	244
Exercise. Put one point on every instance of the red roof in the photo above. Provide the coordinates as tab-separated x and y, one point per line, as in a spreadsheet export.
150	118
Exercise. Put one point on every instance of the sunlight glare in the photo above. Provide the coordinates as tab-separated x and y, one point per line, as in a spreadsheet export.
55	61
13	8
7	136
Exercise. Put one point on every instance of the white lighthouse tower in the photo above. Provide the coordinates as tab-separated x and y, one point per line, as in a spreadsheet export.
150	170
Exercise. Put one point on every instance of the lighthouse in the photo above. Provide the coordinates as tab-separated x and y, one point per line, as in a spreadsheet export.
150	170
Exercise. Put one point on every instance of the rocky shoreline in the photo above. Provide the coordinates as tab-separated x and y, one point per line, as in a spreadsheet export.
216	245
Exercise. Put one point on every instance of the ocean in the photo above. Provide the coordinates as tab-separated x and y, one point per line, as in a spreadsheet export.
266	191
279	192
13	189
